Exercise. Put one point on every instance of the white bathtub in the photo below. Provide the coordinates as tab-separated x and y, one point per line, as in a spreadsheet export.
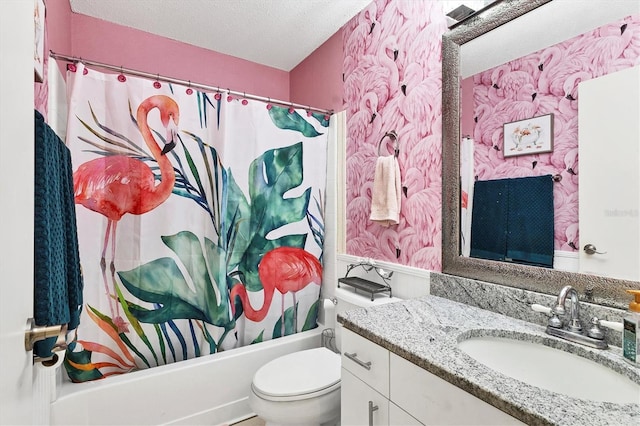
209	390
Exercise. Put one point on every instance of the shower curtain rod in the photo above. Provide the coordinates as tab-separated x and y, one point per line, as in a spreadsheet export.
158	77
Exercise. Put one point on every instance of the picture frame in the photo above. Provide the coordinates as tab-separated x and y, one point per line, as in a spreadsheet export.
38	48
530	136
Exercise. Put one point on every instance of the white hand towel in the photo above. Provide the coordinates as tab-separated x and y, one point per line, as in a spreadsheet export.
385	201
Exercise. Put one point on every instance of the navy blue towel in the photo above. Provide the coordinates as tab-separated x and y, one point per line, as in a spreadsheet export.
57	275
512	220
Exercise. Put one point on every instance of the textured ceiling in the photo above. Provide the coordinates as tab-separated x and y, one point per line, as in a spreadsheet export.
276	33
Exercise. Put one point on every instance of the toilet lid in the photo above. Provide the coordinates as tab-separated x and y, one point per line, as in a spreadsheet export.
302	374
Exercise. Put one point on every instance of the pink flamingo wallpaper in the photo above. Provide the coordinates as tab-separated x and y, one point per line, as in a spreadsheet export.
541	83
392	81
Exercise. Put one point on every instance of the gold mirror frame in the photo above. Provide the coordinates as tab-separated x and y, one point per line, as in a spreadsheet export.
596	289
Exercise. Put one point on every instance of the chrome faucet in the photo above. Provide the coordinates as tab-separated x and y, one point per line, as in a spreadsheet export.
559	309
573	330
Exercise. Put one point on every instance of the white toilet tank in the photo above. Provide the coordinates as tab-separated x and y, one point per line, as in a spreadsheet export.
348	299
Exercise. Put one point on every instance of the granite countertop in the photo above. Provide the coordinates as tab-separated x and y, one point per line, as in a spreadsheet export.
426	330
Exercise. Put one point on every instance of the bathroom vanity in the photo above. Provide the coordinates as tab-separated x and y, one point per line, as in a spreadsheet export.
402	363
394	391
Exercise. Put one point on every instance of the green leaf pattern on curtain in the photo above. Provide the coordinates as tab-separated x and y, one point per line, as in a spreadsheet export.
270	176
192	283
283	119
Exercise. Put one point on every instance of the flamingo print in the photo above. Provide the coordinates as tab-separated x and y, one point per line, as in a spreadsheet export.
287	269
116	185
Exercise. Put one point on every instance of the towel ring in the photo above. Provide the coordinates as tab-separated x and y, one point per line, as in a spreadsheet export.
393	135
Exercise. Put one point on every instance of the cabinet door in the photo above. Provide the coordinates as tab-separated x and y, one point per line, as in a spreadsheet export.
434	401
358	402
399	417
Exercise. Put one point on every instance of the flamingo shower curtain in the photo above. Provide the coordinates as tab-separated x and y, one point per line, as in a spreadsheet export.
200	221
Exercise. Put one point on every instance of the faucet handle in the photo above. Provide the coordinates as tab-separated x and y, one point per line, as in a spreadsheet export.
541	308
554	321
595	331
613	325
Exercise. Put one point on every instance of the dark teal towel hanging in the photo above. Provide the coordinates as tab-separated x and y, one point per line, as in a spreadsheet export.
489	219
512	220
57	277
530	234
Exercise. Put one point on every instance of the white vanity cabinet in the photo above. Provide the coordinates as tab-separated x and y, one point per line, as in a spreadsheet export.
381	388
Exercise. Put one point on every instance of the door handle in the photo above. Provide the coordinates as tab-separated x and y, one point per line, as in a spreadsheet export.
591	249
35	333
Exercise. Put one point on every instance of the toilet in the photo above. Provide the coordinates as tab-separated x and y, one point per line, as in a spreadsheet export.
303	388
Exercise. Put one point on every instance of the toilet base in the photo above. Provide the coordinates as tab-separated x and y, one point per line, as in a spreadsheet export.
320	411
335	422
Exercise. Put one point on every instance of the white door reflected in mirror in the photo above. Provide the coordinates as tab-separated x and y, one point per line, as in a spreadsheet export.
609	152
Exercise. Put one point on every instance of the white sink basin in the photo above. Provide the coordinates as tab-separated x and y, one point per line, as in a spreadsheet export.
552	369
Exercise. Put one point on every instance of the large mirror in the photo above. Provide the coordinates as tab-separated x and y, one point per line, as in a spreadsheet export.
460	52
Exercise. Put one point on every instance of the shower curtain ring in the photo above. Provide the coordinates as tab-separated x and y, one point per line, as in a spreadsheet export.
189	90
121	77
291	110
156	83
244	100
269	106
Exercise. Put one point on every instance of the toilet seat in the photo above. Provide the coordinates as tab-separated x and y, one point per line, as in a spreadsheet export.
299	375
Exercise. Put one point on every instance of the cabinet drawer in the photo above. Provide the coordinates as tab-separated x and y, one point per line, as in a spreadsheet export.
366	360
434	401
359	403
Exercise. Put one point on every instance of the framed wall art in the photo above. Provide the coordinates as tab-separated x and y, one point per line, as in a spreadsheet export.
531	136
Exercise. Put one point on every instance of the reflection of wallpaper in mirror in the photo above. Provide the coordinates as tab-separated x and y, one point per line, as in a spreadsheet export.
546	82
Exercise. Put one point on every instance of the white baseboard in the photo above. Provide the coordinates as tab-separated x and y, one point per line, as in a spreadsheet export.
566	261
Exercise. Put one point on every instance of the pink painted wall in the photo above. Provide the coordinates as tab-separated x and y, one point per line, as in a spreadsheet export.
546	82
393	81
59	25
98	40
114	44
317	80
